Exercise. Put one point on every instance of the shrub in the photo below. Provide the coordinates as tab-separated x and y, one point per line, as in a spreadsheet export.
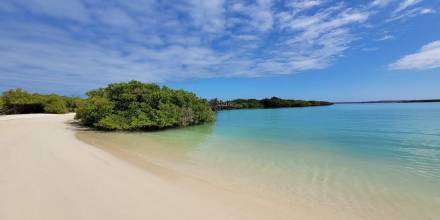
55	104
18	101
93	110
141	106
1	105
72	103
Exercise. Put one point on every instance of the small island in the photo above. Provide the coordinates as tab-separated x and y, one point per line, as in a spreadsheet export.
273	102
136	106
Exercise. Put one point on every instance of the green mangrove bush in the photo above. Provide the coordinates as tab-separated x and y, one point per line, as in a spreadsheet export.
1	105
142	106
18	101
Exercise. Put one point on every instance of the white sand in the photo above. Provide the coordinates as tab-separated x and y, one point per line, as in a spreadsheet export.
46	173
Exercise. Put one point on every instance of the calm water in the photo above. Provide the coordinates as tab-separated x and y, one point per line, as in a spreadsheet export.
378	161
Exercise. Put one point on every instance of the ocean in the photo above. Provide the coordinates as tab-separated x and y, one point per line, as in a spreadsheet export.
376	161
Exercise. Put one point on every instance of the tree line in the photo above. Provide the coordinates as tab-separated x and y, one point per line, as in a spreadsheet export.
19	101
273	102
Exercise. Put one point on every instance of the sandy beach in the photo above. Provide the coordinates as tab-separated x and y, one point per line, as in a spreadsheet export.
46	173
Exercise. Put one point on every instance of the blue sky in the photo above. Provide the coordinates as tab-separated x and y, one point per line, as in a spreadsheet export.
317	49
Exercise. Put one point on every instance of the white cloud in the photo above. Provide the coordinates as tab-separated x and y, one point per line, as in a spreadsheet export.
247	37
208	14
69	9
257	16
381	3
305	4
427	11
102	41
386	37
263	15
324	21
427	58
315	40
404	9
115	17
410	13
406	4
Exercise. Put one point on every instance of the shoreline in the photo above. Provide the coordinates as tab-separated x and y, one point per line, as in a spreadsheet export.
51	174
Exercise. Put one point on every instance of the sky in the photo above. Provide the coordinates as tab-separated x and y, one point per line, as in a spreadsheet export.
353	50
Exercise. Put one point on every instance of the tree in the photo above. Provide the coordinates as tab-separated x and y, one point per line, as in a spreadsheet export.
141	106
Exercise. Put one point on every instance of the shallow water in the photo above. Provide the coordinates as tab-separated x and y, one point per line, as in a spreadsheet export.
376	161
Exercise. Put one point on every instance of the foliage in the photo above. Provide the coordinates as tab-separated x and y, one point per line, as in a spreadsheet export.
55	104
72	103
140	106
93	110
18	101
273	102
276	102
248	103
1	105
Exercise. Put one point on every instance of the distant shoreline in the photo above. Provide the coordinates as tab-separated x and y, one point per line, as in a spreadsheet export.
392	101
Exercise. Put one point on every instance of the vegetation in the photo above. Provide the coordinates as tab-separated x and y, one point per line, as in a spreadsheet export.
276	102
139	106
135	106
273	102
18	101
247	103
1	105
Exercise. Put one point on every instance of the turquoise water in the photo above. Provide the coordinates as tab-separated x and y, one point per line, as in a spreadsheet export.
378	161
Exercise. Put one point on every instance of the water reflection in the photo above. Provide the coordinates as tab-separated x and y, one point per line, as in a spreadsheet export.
175	144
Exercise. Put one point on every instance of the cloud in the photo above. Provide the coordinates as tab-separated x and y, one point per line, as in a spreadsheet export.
250	17
406	4
84	43
71	9
386	37
427	58
318	38
115	17
381	3
305	4
209	15
405	9
427	11
410	13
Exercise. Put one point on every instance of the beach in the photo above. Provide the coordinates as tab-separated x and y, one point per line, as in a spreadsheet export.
47	173
369	161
